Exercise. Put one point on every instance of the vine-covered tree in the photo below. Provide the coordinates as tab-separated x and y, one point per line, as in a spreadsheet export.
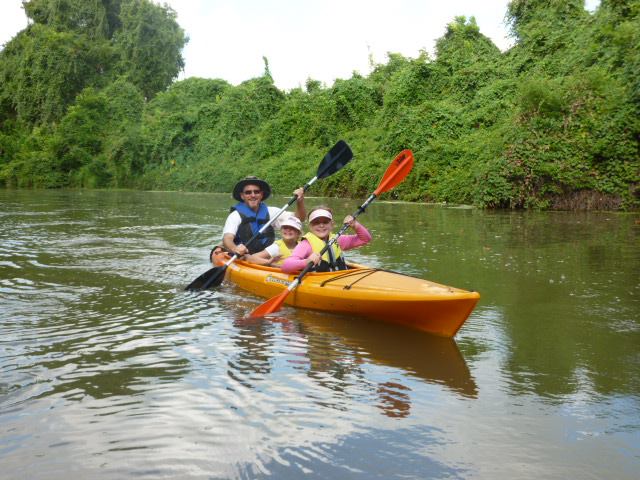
149	43
73	44
94	18
63	75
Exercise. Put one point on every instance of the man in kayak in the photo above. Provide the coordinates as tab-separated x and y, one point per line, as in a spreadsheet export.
278	251
250	214
308	250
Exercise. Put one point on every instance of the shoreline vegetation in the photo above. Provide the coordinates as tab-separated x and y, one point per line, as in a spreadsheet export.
88	99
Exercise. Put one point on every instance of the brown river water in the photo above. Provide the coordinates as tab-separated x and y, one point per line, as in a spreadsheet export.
110	370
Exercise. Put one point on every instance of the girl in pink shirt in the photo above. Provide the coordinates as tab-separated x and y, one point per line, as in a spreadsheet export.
308	250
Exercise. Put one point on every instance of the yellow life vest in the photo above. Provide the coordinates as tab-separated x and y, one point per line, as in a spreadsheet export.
285	252
317	244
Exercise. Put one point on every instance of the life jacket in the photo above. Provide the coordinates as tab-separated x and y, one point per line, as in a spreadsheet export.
251	224
285	252
332	259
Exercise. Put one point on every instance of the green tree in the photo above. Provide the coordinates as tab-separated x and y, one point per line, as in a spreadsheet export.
43	69
94	18
175	119
73	44
149	43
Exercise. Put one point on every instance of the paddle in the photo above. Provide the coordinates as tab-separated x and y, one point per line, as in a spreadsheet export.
395	173
333	161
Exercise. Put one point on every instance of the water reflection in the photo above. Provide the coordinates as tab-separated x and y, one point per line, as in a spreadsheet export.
395	401
332	350
428	357
98	342
252	357
568	302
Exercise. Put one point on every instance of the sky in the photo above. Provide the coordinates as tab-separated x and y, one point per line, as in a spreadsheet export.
301	39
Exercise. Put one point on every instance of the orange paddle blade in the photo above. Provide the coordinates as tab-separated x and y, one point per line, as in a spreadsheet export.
396	172
272	305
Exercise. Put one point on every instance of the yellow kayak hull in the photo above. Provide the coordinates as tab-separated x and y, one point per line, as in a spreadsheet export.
365	292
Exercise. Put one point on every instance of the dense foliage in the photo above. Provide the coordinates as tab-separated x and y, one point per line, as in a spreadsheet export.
88	99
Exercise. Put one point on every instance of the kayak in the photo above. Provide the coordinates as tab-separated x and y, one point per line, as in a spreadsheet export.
364	292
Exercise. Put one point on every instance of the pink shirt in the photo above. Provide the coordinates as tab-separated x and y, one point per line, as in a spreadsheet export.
298	259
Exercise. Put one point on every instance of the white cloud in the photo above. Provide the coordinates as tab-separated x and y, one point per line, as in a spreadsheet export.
12	19
321	39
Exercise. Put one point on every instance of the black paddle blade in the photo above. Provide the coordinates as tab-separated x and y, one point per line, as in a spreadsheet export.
333	161
211	278
200	281
216	279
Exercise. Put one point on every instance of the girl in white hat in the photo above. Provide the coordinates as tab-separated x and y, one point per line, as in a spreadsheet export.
274	254
308	250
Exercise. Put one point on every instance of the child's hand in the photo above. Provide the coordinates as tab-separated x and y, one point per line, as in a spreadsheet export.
314	258
275	259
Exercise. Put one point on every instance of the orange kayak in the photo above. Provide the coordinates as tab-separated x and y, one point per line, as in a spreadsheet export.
365	292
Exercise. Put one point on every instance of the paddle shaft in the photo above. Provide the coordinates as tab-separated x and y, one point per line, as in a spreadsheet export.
325	169
339	156
344	228
395	173
235	256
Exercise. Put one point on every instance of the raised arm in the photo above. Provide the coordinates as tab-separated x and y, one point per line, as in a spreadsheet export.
362	236
301	211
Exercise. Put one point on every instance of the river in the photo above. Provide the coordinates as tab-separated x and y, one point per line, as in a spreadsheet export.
110	370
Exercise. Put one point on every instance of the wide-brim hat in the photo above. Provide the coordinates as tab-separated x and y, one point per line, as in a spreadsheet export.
251	180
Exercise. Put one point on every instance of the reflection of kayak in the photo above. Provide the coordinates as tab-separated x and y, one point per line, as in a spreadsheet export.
433	359
366	292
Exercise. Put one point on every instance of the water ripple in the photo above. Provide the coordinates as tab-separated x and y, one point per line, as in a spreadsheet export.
109	369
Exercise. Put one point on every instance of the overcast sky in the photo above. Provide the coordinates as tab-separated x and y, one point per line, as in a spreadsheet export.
320	39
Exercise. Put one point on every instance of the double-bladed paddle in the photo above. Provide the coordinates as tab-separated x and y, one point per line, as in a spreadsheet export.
395	173
333	161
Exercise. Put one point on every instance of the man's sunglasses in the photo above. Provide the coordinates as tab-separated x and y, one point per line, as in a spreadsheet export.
249	192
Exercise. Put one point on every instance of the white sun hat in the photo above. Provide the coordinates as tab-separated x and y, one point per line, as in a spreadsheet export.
292	221
321	212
